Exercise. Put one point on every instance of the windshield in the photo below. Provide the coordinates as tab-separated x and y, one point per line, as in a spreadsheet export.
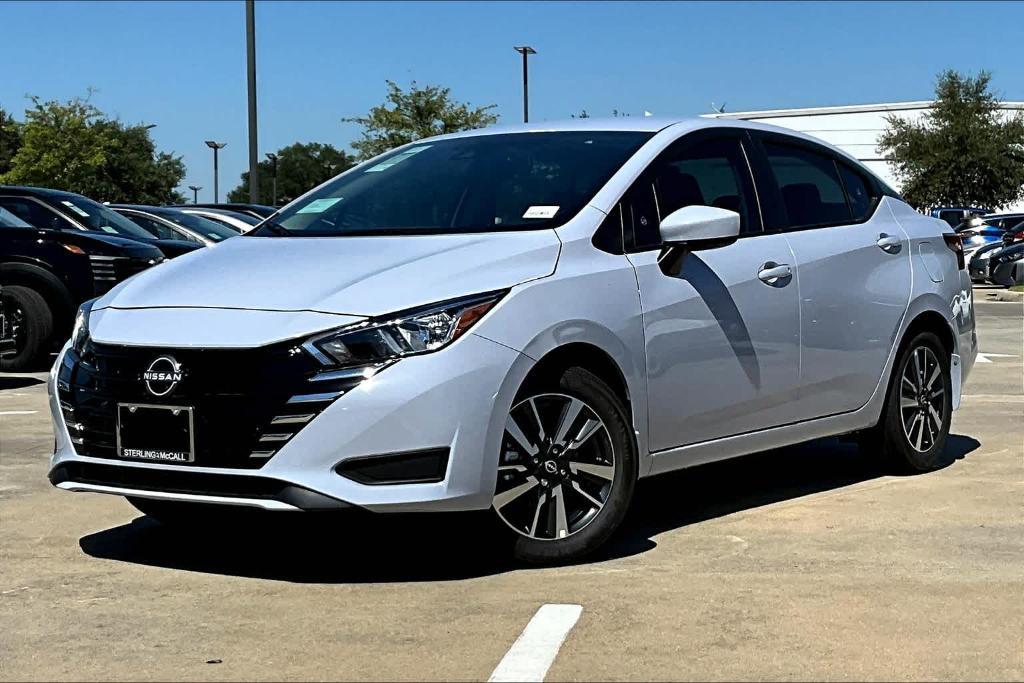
482	183
94	216
207	228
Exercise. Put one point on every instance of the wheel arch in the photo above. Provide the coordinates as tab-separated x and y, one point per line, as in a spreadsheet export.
583	355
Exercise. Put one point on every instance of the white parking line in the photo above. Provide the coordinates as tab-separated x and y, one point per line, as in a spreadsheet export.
987	357
18	412
535	649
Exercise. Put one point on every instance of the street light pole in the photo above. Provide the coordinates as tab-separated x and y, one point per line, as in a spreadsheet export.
273	168
217	146
250	49
525	51
195	193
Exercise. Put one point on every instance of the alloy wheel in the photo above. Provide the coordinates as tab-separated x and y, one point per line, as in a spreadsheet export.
15	324
556	469
922	400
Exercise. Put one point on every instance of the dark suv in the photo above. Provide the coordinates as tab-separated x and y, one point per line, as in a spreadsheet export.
50	264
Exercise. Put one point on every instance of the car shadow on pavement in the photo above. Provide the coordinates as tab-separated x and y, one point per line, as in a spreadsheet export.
18	382
360	547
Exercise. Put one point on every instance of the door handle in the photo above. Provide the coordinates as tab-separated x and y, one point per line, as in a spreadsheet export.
889	244
775	274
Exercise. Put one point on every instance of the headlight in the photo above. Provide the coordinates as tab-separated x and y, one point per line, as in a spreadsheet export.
409	333
80	333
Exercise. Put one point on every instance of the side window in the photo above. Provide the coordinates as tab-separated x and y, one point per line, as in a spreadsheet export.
154	228
711	173
858	191
35	214
809	184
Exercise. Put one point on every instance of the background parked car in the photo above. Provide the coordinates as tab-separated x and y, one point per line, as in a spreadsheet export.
1004	220
954	215
976	233
1014	234
978	265
260	211
82	213
1007	266
48	267
167	223
241	222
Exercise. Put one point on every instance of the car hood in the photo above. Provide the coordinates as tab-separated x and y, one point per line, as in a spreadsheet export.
362	276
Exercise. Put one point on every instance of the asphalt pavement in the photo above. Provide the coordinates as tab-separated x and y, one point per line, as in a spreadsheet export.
802	563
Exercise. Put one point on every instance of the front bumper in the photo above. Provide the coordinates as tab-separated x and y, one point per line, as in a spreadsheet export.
456	399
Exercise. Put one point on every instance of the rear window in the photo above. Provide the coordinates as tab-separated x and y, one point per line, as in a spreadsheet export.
809	183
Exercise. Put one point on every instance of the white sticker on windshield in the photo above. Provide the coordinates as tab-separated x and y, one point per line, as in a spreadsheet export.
74	208
397	159
541	212
107	228
320	205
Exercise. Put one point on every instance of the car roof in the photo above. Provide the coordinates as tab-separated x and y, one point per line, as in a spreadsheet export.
640	124
36	191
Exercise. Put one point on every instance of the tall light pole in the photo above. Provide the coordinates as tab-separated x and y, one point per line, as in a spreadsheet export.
273	167
525	51
250	50
217	146
195	193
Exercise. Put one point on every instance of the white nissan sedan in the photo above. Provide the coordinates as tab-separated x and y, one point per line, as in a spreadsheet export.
528	320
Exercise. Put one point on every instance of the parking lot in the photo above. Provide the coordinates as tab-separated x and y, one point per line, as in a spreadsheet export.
805	563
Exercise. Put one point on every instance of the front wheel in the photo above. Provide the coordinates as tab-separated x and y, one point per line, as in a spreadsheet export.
567	468
919	407
29	322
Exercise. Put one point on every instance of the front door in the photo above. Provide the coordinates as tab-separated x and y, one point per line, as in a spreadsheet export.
721	324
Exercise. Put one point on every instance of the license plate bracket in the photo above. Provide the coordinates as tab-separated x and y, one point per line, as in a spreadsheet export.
156	433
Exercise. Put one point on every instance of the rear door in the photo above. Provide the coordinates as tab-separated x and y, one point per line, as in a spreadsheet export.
853	269
721	335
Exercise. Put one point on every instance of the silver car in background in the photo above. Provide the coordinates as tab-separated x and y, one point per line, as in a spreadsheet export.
526	319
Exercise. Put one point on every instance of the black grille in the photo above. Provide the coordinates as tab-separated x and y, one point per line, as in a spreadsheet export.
107	271
241	398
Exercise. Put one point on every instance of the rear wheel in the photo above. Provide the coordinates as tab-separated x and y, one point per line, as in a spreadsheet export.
29	322
915	422
567	468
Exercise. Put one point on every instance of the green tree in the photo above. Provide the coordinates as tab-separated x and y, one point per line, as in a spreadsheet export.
417	113
300	168
10	140
963	152
73	146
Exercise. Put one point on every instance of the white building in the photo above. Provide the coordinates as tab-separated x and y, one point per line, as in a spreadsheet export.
855	128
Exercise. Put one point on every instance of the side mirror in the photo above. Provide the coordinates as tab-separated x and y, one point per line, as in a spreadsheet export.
698	224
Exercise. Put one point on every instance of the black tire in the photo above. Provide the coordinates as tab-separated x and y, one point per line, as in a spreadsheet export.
30	315
911	438
598	397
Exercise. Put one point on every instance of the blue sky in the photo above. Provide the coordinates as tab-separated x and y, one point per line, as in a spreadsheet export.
181	65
